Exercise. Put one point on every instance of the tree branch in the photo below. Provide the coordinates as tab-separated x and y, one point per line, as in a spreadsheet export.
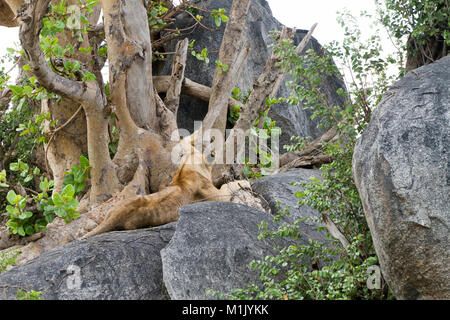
190	88
233	52
306	161
31	14
268	82
313	148
334	231
172	99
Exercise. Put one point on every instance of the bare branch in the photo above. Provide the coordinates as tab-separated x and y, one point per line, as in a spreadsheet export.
167	120
313	148
233	52
268	82
334	231
172	99
190	88
307	161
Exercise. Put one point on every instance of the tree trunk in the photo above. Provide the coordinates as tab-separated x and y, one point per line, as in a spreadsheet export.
130	50
70	143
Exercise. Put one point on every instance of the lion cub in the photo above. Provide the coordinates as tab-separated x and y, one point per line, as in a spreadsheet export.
191	183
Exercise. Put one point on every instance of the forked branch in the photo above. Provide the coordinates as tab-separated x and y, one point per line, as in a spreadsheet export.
30	15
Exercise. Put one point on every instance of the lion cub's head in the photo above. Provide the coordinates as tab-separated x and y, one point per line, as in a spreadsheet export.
194	168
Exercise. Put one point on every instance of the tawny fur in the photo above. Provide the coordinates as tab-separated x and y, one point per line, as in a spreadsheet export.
191	183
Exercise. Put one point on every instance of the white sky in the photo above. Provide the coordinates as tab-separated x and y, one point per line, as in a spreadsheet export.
303	14
292	13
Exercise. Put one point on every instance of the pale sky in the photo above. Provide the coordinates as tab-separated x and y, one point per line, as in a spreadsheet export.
292	13
303	14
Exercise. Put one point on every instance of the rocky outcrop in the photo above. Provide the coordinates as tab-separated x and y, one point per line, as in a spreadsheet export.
279	192
294	121
212	248
116	265
402	170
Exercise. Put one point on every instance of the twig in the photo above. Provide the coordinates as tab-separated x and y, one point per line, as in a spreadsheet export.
209	29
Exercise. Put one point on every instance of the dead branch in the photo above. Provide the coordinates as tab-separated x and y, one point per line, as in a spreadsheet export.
306	162
313	148
233	52
190	88
167	120
172	99
334	230
268	82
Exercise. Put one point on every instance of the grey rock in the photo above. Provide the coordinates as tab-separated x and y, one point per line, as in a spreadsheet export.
401	167
279	192
293	120
212	248
123	265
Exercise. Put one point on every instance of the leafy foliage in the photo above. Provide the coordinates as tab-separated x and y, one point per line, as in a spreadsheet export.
77	176
421	20
8	259
241	97
25	221
29	295
219	16
261	134
328	270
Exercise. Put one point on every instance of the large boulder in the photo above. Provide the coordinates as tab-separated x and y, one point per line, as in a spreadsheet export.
402	170
212	248
279	192
294	121
123	265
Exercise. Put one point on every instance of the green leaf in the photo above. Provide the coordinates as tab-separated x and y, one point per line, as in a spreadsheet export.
68	191
57	199
13	211
26	68
13	226
14	166
29	230
25	215
43	185
40	224
84	162
59	25
11	197
16	90
21	231
80	187
22	203
263	134
68	179
79	177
